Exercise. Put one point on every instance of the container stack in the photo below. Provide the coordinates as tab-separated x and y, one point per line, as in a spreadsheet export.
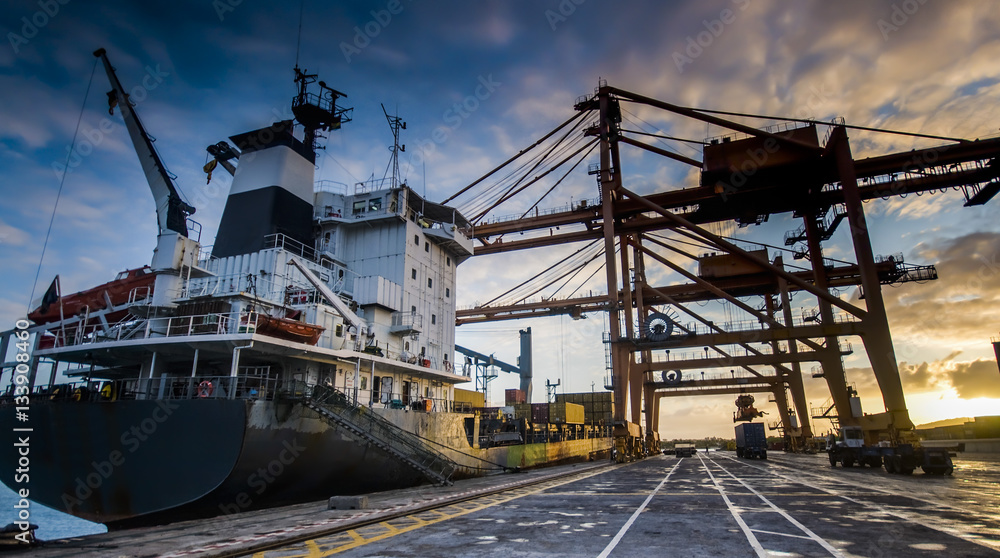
598	407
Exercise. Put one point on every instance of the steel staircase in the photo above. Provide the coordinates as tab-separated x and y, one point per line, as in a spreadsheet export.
369	428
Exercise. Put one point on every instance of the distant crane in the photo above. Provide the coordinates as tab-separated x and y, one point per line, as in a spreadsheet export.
483	363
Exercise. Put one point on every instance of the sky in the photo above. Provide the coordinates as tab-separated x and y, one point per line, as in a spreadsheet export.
478	81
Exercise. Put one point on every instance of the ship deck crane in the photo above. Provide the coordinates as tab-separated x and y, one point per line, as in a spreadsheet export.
176	255
171	211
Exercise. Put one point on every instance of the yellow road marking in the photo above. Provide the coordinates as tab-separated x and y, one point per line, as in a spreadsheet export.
461	508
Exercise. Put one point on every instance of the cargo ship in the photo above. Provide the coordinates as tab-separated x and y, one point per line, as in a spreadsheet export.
308	353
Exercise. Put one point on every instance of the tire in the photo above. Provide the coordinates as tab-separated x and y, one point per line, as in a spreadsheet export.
907	470
848	461
763	455
833	459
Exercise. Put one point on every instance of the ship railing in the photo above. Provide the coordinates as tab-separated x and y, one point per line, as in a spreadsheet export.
201	387
234	283
331	186
373	185
165	387
174	326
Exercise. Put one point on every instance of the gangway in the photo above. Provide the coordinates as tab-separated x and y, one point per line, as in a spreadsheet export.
367	427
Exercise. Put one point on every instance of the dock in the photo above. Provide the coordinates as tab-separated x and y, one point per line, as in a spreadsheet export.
711	504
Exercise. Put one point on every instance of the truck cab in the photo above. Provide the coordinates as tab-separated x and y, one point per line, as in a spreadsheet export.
851	437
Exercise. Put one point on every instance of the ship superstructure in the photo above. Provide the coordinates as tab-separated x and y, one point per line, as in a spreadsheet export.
312	342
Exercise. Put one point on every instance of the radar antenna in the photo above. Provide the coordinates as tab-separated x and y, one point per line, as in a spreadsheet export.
317	112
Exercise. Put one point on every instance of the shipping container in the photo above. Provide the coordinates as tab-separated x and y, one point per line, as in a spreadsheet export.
751	441
566	413
514	396
598	407
522	411
471	398
539	413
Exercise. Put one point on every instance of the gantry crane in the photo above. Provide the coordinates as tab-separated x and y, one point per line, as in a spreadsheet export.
744	177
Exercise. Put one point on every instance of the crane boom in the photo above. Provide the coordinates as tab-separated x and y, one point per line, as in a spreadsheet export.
171	210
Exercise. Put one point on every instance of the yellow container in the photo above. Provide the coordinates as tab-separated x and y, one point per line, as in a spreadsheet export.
566	413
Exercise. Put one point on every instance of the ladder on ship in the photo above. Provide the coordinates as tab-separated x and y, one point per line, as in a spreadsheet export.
366	426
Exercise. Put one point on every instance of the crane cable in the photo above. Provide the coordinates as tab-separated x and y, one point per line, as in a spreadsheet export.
62	182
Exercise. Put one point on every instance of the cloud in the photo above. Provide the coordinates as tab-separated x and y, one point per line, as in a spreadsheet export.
12	236
957	311
979	378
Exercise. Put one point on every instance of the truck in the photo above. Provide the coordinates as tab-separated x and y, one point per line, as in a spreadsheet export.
849	449
751	442
684	450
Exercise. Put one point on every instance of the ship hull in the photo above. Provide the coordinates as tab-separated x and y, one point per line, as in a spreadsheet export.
133	463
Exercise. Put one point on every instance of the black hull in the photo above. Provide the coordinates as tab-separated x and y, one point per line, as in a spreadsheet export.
133	463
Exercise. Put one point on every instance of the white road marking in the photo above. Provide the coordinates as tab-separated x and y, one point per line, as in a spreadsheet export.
736	513
912	518
781	534
822	542
621	532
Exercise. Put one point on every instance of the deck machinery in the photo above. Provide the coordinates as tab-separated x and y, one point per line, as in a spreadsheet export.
744	177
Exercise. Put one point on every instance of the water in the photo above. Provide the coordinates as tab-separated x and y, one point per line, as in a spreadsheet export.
52	524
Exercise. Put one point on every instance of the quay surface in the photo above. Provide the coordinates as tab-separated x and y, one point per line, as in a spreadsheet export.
712	504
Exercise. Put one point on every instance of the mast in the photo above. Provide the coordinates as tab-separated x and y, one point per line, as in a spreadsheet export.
171	211
317	112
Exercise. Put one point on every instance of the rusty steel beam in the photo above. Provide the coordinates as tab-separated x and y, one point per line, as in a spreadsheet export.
746	360
745	285
756	336
724	209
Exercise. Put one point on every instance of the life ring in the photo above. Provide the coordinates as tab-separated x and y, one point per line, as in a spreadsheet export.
447	366
108	392
205	389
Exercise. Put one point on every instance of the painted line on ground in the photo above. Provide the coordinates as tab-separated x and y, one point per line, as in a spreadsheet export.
754	543
464	508
621	532
821	541
957	533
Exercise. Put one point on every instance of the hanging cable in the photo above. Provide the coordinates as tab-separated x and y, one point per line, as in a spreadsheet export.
62	182
821	123
522	152
563	177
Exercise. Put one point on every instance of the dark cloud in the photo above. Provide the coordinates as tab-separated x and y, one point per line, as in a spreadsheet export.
960	305
979	378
